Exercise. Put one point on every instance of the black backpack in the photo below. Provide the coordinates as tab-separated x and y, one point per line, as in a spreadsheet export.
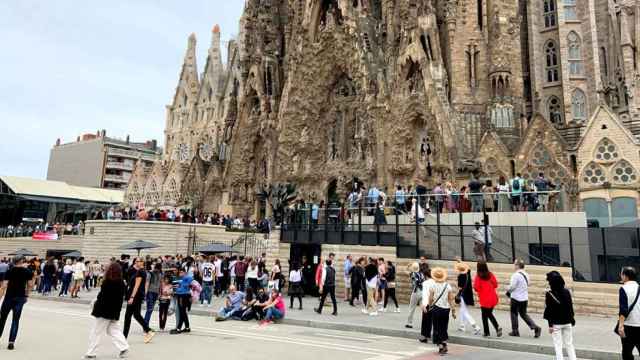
515	184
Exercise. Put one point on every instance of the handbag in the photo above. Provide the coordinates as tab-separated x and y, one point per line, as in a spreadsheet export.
615	330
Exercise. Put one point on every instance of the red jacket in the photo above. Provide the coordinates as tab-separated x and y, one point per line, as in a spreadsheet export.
486	289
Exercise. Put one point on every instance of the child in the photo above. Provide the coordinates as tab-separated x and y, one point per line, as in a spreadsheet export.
166	292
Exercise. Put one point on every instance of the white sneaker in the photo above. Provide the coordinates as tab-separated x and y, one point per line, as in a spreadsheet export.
382	310
364	311
397	311
375	313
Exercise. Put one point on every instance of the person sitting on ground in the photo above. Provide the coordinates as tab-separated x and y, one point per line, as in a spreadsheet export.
232	304
247	310
275	308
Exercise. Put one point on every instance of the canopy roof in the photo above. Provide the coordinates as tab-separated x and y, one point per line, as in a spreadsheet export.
28	187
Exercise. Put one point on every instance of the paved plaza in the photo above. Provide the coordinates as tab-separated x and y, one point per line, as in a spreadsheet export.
59	330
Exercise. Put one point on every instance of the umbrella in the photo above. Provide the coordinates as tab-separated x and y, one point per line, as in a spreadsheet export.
23	252
216	248
74	254
139	245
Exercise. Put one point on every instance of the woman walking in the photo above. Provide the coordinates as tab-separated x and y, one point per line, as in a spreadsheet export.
441	304
427	321
559	313
465	298
485	284
106	311
391	287
295	285
183	294
67	271
416	292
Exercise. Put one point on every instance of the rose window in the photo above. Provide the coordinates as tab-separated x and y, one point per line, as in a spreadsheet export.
594	174
624	173
606	150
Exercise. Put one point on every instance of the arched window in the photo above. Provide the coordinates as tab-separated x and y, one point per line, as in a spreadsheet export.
575	54
579	105
570	10
555	110
549	13
551	61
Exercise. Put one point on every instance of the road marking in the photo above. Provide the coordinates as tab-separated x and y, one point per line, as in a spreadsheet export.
264	337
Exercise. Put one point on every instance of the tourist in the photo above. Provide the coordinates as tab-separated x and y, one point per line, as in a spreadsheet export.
4	267
371	278
232	304
382	281
485	285
252	275
475	191
241	272
166	293
441	305
417	213
477	234
400	199
67	273
48	273
391	287
427	321
439	197
487	232
517	185
559	314
219	275
152	289
489	197
346	267
417	278
79	271
276	275
208	271
295	285
465	298
542	188
14	290
503	195
328	286
274	308
106	311
358	283
519	294
183	300
629	315
135	295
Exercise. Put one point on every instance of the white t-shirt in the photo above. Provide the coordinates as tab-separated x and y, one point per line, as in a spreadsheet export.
207	271
441	288
295	276
78	271
373	282
232	268
426	286
218	264
68	269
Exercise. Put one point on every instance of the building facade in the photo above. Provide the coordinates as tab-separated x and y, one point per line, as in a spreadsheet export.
100	161
322	92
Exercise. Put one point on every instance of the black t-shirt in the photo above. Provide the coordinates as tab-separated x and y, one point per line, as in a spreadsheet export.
475	186
131	284
18	277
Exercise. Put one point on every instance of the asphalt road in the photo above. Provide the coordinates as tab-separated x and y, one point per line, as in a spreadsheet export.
57	331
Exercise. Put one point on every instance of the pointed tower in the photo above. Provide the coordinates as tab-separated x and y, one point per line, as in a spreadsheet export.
188	84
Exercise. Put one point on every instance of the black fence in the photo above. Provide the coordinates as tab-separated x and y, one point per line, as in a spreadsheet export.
595	254
244	244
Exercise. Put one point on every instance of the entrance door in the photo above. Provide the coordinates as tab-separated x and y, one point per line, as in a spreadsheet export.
307	256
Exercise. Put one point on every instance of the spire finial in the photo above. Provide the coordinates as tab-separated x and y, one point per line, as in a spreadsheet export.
216	29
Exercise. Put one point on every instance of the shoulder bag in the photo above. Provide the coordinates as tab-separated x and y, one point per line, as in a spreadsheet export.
615	330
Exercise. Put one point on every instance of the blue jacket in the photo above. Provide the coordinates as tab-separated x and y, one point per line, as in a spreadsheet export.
184	288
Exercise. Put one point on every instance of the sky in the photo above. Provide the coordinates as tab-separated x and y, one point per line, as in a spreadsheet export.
69	67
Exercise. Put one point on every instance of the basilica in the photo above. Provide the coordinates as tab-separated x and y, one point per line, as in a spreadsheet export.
318	93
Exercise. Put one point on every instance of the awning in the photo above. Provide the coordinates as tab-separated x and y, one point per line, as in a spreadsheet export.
60	192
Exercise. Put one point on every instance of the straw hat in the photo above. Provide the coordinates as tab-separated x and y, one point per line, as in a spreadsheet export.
439	274
461	267
414	267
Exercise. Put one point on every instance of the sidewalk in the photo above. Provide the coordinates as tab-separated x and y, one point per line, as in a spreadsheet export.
593	336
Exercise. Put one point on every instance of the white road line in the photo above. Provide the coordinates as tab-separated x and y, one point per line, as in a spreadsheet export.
350	337
265	337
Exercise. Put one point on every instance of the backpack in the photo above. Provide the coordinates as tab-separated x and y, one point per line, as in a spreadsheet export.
515	184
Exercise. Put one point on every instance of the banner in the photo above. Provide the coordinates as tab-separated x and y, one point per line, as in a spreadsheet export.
41	235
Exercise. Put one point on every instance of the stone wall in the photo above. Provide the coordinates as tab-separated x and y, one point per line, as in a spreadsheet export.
40	247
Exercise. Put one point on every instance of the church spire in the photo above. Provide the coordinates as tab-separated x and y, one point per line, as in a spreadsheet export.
188	86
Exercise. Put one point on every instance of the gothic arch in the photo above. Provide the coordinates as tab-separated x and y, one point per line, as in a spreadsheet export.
606	151
624	173
593	174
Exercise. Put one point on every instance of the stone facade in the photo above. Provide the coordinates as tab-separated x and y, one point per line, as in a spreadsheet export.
319	92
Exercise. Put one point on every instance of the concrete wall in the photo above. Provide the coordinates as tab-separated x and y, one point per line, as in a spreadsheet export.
79	164
40	247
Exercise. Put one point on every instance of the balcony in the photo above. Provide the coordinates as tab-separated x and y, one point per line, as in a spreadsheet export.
131	154
119	165
117	178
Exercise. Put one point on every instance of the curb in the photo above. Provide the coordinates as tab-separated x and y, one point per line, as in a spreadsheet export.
490	343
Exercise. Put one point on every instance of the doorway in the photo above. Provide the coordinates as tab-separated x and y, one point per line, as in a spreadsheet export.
307	256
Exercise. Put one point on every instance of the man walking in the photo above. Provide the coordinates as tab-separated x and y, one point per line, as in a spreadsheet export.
208	271
135	295
348	264
629	316
519	294
327	286
14	289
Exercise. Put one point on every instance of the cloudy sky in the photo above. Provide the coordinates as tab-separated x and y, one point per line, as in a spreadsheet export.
69	67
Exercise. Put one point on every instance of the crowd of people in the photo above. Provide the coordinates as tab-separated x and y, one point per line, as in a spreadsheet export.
61	229
249	290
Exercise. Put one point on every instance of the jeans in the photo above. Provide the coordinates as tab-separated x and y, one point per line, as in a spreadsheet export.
48	282
133	310
563	335
227	312
151	299
14	305
632	340
390	293
240	283
520	308
487	251
163	312
66	281
273	314
487	314
328	290
477	203
207	292
184	301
